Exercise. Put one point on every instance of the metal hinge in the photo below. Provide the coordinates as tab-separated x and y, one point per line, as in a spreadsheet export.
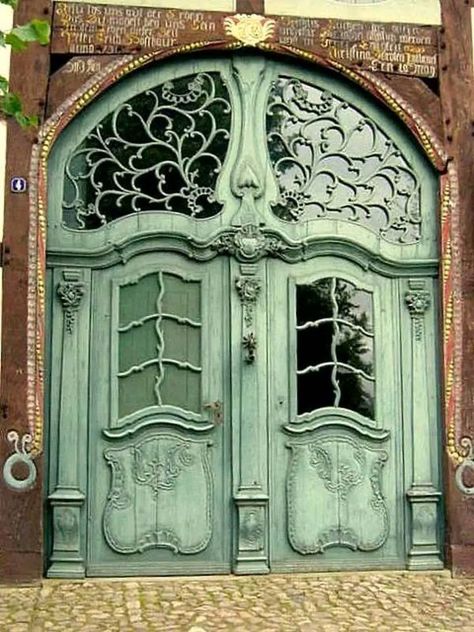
4	254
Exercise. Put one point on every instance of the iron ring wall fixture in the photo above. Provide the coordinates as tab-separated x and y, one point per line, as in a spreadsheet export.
20	456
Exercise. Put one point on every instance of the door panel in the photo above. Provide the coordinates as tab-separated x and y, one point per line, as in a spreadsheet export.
159	485
335	421
334	494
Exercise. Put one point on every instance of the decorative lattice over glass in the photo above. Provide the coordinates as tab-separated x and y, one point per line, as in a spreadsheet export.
160	344
162	150
330	161
335	348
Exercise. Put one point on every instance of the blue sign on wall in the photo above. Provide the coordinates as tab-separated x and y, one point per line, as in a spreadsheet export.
18	184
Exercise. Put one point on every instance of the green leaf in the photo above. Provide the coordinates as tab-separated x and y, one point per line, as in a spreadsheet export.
10	3
3	84
15	42
10	104
43	31
26	121
33	31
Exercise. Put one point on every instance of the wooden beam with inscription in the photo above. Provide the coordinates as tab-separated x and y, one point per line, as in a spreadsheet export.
89	29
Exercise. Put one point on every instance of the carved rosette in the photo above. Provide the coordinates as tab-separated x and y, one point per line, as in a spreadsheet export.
70	294
417	301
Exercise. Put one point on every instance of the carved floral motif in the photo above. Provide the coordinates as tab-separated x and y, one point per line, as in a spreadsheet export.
66	525
252	530
249	289
417	302
249	343
70	294
342	477
161	474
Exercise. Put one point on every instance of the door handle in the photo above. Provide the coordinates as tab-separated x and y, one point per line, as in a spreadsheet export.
216	410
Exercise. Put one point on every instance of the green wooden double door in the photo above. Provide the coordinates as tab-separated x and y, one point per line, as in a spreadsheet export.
243	368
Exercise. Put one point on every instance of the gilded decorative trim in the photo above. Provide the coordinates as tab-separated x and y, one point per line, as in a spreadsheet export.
458	449
117	70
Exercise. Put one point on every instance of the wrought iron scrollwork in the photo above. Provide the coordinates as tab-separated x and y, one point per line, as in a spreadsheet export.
330	161
162	150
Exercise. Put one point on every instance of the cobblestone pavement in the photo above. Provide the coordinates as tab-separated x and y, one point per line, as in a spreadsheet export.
332	602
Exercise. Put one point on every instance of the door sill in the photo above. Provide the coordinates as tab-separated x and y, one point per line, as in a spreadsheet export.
157	569
300	566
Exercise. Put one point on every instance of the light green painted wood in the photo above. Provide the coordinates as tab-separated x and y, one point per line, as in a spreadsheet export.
179	439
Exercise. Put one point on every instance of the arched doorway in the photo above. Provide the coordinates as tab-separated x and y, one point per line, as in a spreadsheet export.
242	275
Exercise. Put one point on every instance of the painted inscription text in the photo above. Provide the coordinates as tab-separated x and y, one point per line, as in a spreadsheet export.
87	29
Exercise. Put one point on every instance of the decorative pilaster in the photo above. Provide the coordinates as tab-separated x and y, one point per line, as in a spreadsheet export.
67	500
251	498
249	243
423	496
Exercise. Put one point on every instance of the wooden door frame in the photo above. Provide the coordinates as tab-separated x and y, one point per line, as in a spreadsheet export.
23	373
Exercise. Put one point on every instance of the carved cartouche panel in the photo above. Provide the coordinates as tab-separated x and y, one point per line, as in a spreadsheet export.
160	495
334	495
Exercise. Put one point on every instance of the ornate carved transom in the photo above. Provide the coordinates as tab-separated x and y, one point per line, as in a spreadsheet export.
330	161
162	150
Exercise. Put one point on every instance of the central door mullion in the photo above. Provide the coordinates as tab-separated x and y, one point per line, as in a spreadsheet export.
249	361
